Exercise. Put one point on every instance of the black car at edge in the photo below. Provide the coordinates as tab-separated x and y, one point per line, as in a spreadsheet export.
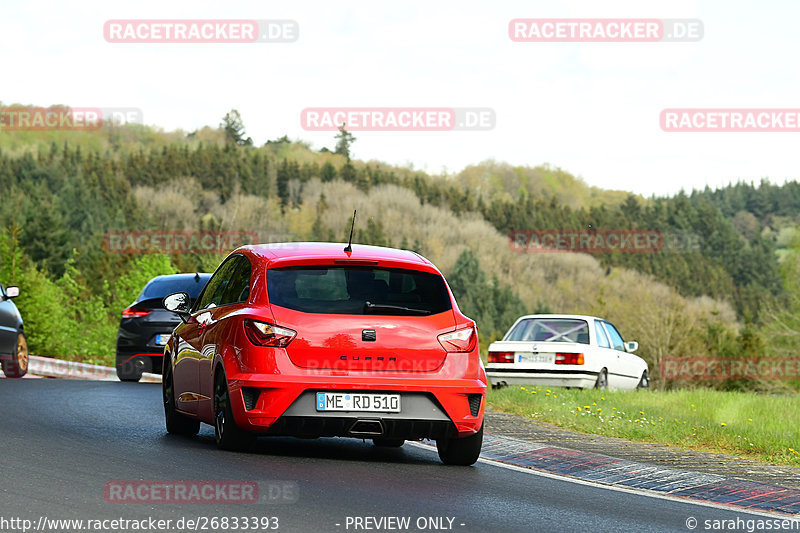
13	345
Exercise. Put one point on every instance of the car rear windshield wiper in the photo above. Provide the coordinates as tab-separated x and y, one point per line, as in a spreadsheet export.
369	306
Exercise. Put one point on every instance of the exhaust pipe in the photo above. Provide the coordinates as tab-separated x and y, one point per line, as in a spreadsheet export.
368	428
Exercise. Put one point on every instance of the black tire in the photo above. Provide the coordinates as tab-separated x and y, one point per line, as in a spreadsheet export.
227	434
644	382
130	370
177	424
18	365
602	380
461	452
388	443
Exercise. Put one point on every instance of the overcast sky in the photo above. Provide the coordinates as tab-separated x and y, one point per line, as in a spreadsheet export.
589	108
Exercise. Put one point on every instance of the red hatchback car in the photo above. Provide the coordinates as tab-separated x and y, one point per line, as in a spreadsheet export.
310	340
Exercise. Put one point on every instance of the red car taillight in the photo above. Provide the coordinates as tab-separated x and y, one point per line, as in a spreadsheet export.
460	340
135	312
264	334
569	358
501	357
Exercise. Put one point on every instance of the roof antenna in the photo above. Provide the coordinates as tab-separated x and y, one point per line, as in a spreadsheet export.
349	247
197	276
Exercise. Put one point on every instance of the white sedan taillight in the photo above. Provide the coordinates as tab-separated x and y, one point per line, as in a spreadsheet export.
501	357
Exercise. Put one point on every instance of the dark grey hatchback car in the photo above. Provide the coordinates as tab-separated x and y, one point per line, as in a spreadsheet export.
146	325
13	345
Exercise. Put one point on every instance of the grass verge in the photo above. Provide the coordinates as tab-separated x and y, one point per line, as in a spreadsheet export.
755	426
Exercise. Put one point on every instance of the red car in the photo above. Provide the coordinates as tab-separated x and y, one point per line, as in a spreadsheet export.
310	340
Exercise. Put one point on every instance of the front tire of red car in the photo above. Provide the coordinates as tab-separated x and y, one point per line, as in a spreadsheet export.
462	452
227	434
177	424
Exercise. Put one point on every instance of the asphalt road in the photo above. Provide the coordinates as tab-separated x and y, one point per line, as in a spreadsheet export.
66	442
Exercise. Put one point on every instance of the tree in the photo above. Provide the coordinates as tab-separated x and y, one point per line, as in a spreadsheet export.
234	129
348	172
373	234
282	140
493	306
343	141
328	172
783	325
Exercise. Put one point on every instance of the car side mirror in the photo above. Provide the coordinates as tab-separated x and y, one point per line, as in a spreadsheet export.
631	346
12	292
178	303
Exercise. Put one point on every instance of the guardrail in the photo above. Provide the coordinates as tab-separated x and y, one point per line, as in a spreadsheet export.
58	368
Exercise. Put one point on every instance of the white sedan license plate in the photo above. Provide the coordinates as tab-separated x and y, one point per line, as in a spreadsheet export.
533	357
162	338
349	401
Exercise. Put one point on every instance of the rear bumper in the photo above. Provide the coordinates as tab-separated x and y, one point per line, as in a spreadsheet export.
136	346
583	379
283	405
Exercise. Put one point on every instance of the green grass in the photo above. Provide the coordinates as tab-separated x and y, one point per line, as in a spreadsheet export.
755	426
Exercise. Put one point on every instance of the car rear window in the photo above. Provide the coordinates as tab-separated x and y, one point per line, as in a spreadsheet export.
550	330
160	287
358	290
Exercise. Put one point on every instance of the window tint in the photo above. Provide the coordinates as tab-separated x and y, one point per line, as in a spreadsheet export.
238	289
602	338
160	287
550	330
214	291
358	290
616	338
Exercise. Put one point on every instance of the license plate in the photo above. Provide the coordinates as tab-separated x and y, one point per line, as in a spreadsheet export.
349	401
162	338
533	357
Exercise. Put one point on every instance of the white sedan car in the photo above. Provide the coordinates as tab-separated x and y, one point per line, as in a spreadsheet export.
566	351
